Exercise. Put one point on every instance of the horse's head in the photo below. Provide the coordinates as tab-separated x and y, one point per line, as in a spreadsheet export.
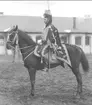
12	37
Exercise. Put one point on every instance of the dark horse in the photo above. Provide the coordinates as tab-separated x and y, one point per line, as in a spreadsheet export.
33	62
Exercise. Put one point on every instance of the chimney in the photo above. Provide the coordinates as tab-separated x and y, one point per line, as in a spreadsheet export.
1	13
74	22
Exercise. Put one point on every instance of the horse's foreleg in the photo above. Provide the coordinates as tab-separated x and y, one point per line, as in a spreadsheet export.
79	81
32	74
13	55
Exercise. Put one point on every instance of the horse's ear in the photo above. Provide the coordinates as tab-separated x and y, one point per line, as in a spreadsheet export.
16	27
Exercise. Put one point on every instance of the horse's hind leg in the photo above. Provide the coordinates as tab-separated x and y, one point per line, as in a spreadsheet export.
79	81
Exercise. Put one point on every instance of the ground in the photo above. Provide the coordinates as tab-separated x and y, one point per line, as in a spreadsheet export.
54	88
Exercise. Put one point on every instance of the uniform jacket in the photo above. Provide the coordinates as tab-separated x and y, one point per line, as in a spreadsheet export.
51	35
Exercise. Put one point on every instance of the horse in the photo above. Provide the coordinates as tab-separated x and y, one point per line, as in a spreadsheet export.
33	63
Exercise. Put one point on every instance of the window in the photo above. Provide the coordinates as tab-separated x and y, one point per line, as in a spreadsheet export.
1	42
64	39
87	40
78	40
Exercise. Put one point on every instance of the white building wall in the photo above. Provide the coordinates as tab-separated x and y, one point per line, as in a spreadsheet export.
2	47
2	50
86	48
72	39
83	42
91	44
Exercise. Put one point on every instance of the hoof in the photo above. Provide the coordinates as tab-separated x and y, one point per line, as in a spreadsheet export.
79	96
32	94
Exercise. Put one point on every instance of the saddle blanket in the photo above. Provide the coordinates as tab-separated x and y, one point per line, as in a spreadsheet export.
53	57
66	59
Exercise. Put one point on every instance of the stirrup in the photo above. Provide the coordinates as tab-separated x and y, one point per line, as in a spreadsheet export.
46	69
41	60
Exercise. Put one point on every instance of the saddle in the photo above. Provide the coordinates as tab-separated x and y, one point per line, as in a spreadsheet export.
46	52
52	55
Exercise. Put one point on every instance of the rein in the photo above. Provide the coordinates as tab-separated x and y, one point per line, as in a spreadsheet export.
26	51
31	46
30	52
28	55
11	46
25	48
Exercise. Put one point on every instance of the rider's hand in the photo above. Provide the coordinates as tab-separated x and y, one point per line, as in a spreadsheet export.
39	42
59	47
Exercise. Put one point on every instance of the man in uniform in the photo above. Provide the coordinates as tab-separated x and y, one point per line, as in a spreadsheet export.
51	35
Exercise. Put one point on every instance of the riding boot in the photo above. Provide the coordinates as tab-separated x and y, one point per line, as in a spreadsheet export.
45	66
45	69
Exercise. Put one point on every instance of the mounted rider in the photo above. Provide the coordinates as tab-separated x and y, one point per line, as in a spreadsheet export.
51	34
51	37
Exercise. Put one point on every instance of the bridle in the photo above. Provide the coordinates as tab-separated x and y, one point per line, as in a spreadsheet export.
15	39
13	44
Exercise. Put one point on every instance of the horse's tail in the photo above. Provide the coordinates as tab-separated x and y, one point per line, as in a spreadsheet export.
84	61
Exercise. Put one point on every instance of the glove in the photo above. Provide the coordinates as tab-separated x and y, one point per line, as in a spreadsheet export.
59	47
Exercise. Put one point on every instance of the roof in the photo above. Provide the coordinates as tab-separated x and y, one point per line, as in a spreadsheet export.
32	23
36	24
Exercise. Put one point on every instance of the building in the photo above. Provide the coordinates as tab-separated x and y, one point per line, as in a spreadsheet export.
80	30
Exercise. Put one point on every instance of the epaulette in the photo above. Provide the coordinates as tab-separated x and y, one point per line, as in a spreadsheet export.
54	28
50	27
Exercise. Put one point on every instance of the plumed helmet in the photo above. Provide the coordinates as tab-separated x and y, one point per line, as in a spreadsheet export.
47	13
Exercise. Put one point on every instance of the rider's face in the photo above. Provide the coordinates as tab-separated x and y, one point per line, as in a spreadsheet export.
46	20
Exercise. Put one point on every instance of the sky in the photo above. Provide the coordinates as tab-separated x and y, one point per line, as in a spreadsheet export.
37	8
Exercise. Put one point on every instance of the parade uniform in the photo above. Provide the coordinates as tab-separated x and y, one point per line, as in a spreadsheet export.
51	36
51	39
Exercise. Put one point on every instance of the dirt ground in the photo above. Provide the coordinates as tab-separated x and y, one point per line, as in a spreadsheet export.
54	88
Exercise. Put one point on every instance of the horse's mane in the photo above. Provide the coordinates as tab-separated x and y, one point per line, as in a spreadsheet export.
26	37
